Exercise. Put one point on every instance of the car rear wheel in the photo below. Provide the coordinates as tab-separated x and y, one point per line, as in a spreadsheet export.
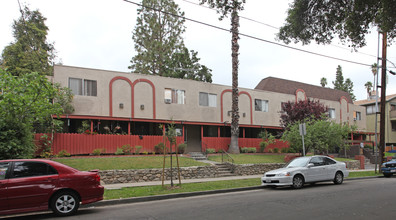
338	178
298	182
65	203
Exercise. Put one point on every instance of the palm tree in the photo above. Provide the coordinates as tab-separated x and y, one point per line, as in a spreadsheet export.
374	70
368	86
224	8
323	81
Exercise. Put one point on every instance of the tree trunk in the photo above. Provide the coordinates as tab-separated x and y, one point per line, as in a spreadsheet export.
235	110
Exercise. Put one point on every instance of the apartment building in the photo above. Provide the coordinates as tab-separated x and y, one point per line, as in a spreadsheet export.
136	104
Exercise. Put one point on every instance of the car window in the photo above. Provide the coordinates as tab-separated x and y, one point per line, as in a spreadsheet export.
3	170
329	161
298	162
27	169
317	161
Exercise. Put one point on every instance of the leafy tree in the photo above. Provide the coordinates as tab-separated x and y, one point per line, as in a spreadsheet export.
349	20
30	52
225	7
322	136
184	65
302	110
323	81
340	84
24	101
159	43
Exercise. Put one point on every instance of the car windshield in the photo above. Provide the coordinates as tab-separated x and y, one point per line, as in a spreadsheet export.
298	162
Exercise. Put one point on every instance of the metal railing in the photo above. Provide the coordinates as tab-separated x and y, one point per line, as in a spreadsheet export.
228	157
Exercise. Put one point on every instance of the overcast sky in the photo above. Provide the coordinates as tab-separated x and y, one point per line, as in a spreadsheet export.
98	34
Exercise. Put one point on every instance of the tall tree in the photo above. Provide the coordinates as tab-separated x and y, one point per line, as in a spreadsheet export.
342	85
349	20
159	43
368	86
30	52
374	70
323	81
300	111
225	7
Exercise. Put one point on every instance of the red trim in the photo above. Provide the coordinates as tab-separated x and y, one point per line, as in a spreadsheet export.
133	97
301	90
343	97
111	93
159	121
222	109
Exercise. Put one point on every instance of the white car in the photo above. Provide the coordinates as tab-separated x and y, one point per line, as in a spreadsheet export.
303	170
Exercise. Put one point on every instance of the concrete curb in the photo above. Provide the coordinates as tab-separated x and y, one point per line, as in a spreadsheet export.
186	194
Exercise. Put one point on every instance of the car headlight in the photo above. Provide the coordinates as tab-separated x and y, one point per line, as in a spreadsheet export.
283	174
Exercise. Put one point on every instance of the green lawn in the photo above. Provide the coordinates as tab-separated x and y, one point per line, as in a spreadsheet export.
188	187
123	163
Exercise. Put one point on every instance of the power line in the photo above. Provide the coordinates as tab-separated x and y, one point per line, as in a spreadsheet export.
249	36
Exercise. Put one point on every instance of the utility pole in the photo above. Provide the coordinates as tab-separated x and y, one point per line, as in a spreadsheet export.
383	98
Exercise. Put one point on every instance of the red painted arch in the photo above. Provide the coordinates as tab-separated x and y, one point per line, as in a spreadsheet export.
301	90
243	92
132	94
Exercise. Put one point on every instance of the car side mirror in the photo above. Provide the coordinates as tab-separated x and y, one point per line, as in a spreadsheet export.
310	165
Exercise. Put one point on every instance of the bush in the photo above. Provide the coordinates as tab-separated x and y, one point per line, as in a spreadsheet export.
181	148
137	149
252	150
263	145
159	148
119	151
98	151
291	150
126	149
63	153
244	150
210	151
276	150
284	150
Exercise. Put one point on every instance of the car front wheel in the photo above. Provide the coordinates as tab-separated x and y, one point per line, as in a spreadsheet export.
65	203
298	182
387	174
338	178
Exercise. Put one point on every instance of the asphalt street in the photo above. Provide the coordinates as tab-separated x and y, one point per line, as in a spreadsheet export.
358	199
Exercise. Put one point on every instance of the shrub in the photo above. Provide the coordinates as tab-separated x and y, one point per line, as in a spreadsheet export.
63	153
98	151
284	150
291	150
263	145
159	148
126	149
181	148
244	150
137	149
210	151
145	152
276	150
252	150
270	150
119	151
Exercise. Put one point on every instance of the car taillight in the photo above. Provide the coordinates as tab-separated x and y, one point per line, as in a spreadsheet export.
97	178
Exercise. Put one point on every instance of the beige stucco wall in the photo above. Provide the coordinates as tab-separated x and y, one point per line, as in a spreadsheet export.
390	136
190	111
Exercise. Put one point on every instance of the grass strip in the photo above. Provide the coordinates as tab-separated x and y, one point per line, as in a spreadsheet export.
124	163
141	191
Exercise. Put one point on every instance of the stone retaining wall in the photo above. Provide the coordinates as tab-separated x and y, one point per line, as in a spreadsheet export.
147	175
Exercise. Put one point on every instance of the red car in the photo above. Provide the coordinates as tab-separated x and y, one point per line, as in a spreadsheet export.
28	185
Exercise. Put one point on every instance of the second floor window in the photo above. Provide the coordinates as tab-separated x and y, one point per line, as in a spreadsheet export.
176	96
83	86
332	113
261	105
207	99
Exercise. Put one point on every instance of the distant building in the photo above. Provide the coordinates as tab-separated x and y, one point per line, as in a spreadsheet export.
390	116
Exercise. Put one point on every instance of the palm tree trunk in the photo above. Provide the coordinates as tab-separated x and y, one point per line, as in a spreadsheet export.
235	62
